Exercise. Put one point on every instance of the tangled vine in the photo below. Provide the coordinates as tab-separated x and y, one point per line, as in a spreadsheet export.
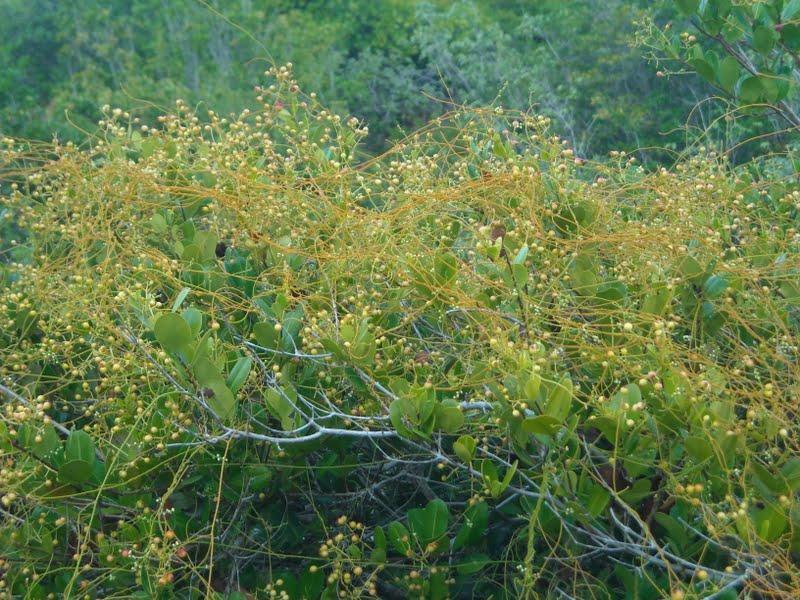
239	359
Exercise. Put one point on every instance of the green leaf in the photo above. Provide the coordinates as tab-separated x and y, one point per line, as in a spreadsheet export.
312	584
399	537
280	407
158	223
560	400
764	39
172	332
191	252
206	242
688	7
171	148
194	318
640	490
598	500
675	530
520	273
610	428
752	91
179	299
791	9
703	68
510	472
521	255
655	302
698	448
728	73
397	412
790	34
489	471
448	416
532	385
476	520
689	268
75	471
80	446
239	373
221	400
612	291
445	268
265	334
205	178
206	371
464	447
634	393
715	286
499	148
423	402
472	564
770	522
43	449
791	473
430	523
378	545
764	476
541	425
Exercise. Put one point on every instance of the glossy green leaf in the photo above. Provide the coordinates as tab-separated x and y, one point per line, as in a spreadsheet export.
221	400
180	298
532	386
430	523
172	332
399	537
464	447
79	446
206	371
541	425
764	39
728	73
752	91
559	401
715	286
239	373
449	417
378	554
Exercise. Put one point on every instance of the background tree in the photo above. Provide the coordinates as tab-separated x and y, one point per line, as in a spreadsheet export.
394	64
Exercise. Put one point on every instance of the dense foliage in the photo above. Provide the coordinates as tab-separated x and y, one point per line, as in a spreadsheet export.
237	361
750	53
392	63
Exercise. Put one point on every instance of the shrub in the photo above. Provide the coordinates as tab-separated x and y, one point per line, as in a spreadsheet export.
748	51
238	362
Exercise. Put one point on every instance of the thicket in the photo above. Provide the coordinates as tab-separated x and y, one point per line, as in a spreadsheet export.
238	361
395	63
749	52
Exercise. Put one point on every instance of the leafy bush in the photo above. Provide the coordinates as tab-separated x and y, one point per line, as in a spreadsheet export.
236	362
749	53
